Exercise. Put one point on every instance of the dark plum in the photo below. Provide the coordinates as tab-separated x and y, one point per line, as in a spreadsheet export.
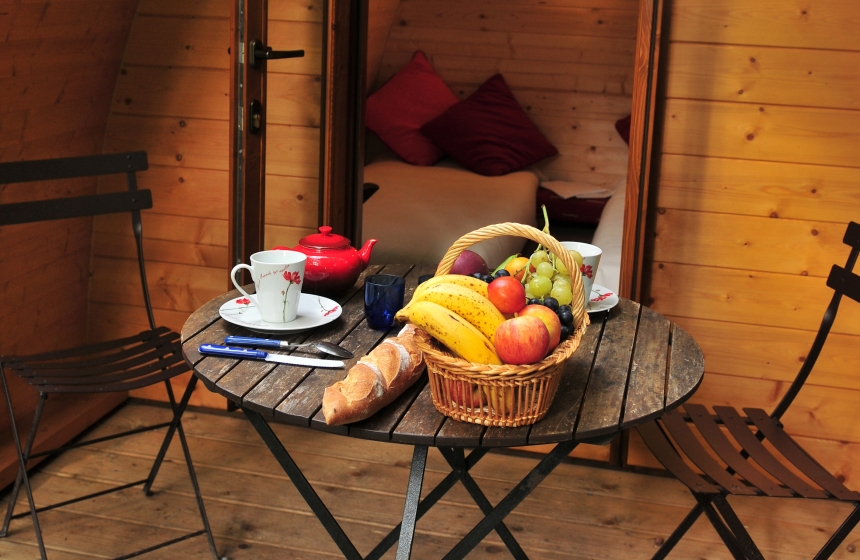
501	272
533	301
565	331
551	302
487	278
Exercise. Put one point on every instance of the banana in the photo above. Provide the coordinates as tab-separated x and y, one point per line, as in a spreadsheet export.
466	281
468	304
451	330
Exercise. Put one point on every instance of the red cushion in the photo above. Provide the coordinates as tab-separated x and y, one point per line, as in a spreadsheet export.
409	99
623	128
488	132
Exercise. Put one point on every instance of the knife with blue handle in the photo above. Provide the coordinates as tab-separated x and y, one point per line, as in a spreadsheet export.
251	354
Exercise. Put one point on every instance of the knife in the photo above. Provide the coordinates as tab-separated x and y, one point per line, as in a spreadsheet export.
320	345
251	354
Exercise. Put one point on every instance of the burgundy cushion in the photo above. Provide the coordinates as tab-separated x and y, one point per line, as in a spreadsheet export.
488	132
409	99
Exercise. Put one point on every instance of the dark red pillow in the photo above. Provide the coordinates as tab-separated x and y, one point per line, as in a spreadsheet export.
488	132
396	111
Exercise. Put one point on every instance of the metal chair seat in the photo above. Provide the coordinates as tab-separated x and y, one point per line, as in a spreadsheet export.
151	357
749	453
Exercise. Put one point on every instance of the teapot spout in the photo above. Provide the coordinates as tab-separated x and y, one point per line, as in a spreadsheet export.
364	252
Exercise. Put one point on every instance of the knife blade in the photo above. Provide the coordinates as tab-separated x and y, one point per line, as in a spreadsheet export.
251	354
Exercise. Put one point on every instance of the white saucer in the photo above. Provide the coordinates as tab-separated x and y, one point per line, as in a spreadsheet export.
601	299
314	311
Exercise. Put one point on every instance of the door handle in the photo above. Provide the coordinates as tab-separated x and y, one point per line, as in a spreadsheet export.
259	51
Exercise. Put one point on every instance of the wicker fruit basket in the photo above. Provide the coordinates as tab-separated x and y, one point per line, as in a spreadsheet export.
500	395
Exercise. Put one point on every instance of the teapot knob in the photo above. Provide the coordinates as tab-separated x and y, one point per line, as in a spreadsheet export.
325	230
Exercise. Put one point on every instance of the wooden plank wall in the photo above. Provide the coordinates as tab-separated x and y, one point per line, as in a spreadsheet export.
58	67
568	62
759	177
171	100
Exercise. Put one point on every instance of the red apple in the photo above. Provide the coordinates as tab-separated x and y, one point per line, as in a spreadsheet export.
464	394
549	318
507	294
468	263
521	340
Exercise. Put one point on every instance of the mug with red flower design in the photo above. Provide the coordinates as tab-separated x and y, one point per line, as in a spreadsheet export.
278	276
590	259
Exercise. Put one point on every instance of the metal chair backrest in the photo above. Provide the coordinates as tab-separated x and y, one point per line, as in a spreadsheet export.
844	283
133	200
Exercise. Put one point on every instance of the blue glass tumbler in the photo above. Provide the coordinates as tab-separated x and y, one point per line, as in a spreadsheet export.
383	298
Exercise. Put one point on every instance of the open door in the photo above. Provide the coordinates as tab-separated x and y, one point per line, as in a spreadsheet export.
249	56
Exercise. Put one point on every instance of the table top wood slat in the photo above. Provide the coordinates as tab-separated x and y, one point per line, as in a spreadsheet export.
646	389
604	394
560	419
686	365
628	358
421	422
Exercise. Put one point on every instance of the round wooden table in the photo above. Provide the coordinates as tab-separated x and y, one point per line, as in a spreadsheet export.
632	366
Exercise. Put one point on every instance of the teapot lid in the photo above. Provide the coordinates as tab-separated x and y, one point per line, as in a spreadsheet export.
325	239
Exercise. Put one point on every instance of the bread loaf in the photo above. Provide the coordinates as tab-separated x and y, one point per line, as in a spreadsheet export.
375	381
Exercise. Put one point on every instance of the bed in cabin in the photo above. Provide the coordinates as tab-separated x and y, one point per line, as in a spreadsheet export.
445	167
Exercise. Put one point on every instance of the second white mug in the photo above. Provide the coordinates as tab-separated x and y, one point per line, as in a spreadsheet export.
278	276
590	261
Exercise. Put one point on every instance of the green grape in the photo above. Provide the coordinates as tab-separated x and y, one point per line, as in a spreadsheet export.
539	286
529	295
562	293
539	257
577	257
545	269
561	279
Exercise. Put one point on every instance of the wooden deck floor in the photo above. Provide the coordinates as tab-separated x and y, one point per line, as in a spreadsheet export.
578	512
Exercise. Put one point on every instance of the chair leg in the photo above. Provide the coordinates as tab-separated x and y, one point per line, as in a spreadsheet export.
22	465
678	533
176	427
722	530
836	539
737	528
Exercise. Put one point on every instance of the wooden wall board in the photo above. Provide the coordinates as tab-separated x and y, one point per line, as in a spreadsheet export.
192	9
480	16
760	131
292	201
292	151
126	319
751	297
179	252
171	228
39	19
285	236
202	42
776	353
177	287
169	141
793	23
294	99
772	75
289	35
749	242
381	15
759	188
198	93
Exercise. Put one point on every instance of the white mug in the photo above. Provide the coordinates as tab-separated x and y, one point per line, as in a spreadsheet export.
590	260
278	277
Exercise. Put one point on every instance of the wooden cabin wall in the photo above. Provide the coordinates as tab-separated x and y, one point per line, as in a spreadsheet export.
172	101
568	62
58	65
758	178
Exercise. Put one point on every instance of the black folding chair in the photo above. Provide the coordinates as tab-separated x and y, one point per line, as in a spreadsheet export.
711	443
153	356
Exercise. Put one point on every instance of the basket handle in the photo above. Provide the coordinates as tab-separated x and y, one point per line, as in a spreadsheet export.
580	316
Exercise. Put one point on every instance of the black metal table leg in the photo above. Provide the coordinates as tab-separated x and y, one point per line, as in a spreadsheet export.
512	500
413	496
429	501
457	461
302	485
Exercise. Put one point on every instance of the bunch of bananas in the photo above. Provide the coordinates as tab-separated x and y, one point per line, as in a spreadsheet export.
454	310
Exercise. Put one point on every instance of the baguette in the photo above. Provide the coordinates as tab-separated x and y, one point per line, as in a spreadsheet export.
375	381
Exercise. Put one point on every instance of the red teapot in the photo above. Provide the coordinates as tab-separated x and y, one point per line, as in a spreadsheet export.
333	265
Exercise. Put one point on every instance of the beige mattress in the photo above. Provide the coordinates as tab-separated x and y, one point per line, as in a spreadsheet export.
419	212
